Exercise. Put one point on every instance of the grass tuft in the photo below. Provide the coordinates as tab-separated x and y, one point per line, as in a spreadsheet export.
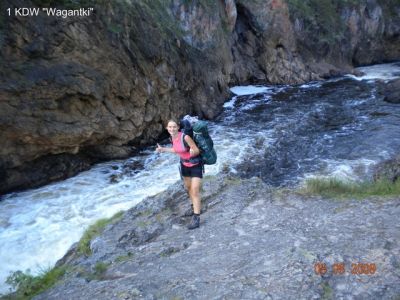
99	270
93	231
327	291
123	258
337	188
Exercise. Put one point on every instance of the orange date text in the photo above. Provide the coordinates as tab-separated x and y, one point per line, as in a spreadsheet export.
339	268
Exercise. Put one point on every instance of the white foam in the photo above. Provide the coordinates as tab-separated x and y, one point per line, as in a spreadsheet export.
383	72
344	169
311	85
231	103
248	90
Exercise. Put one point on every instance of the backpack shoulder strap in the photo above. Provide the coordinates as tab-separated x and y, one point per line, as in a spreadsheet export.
183	142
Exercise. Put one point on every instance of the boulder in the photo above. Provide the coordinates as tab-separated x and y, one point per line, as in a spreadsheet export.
391	91
388	170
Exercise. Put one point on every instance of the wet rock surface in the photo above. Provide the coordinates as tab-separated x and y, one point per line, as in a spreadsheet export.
388	170
391	91
254	242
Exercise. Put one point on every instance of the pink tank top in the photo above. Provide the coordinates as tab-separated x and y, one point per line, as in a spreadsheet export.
181	150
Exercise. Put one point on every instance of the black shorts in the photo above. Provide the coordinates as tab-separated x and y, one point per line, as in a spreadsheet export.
195	171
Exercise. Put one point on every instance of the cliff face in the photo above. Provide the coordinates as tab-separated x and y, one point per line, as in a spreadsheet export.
81	89
343	33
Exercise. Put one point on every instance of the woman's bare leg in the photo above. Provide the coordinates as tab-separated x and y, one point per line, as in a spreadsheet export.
188	181
195	186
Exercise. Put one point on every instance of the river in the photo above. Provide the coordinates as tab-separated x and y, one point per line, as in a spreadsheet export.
282	134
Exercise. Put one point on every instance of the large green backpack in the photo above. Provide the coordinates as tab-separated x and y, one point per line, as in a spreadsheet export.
204	142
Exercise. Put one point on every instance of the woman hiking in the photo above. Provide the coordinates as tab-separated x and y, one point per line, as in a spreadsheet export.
190	165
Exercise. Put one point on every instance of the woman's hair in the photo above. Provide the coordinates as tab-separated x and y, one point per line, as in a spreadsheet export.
172	120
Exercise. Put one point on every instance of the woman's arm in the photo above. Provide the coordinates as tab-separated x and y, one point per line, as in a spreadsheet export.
194	150
160	149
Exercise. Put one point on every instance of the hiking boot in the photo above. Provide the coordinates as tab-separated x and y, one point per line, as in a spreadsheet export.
195	222
189	212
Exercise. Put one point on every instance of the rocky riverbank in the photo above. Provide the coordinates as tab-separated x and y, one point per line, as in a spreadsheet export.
255	242
76	90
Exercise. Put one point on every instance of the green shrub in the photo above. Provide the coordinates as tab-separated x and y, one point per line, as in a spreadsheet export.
27	285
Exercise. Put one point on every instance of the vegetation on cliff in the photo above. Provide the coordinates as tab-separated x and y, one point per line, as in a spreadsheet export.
27	286
322	17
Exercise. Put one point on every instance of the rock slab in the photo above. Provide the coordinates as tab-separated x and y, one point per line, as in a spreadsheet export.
254	242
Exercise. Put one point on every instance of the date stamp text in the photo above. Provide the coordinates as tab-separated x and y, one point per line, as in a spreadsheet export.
340	268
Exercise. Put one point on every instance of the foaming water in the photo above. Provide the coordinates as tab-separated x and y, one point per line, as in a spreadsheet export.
38	226
282	134
345	169
339	128
383	72
249	90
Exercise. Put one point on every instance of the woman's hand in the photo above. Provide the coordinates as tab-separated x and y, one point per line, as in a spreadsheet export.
160	149
194	150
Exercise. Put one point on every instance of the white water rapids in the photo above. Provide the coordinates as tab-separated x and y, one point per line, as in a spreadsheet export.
38	226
